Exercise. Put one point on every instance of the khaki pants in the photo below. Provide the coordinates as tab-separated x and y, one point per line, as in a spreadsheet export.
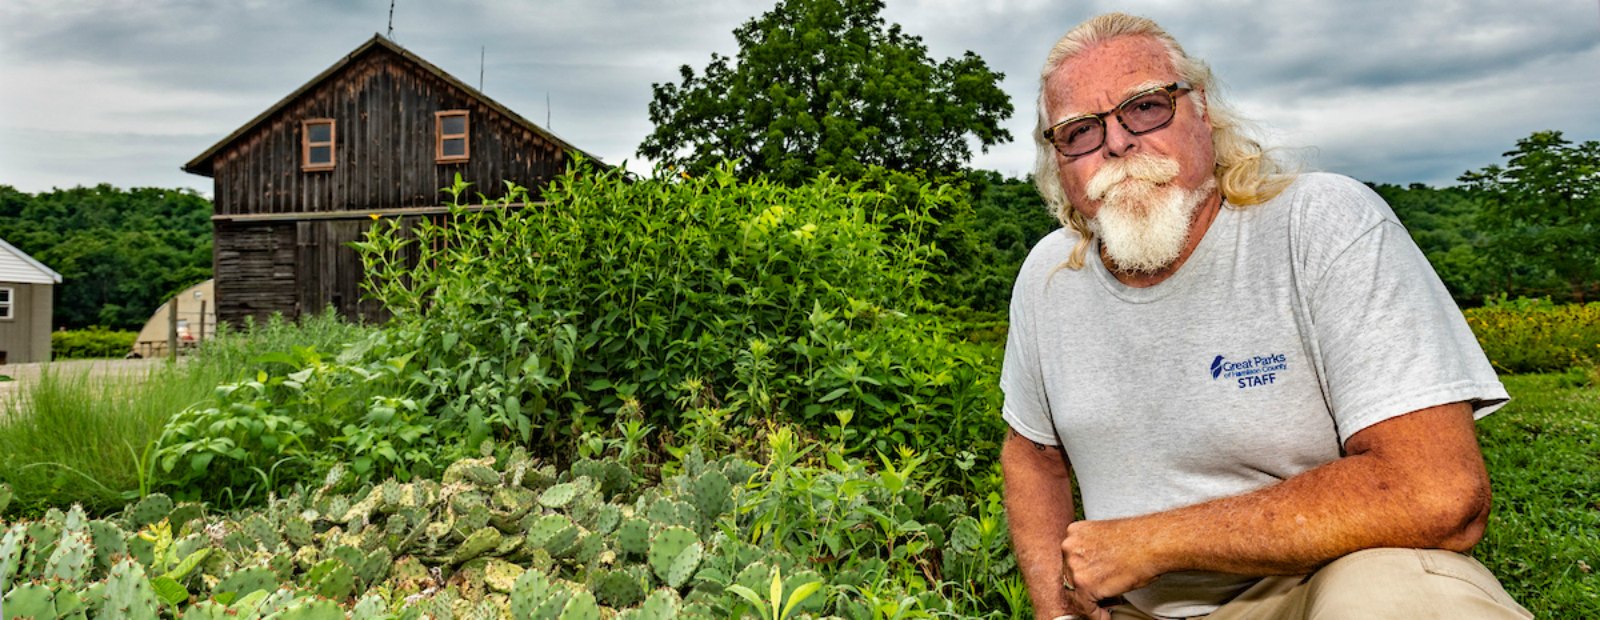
1409	584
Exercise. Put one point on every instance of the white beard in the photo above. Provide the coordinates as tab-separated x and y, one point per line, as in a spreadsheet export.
1143	221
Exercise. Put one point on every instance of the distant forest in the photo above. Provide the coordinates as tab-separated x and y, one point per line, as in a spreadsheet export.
120	253
1528	228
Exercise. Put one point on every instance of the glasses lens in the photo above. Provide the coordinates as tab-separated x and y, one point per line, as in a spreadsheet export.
1079	136
1146	112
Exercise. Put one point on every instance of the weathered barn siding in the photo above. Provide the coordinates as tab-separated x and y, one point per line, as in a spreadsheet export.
282	233
296	268
383	109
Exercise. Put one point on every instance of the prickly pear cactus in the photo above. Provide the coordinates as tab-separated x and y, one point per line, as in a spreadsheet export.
109	541
30	600
712	495
245	582
154	507
675	553
633	536
72	559
618	589
128	594
11	547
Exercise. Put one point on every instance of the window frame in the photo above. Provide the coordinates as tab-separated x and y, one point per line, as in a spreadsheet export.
7	308
305	145
439	136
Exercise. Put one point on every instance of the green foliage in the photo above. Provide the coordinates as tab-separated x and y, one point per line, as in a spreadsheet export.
1537	335
685	304
1543	452
298	417
77	437
94	342
984	245
848	540
1542	217
826	86
120	253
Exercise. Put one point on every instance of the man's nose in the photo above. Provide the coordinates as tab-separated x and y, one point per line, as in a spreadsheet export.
1119	141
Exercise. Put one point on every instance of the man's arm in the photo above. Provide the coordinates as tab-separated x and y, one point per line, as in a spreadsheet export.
1038	492
1414	481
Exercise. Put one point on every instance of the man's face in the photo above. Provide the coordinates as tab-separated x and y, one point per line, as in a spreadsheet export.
1167	172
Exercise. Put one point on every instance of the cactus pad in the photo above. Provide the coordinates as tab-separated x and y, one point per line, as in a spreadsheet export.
71	560
618	589
964	535
154	507
478	543
559	495
332	578
128	594
675	553
244	582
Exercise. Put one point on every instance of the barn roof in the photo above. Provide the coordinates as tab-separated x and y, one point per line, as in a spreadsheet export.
202	165
17	266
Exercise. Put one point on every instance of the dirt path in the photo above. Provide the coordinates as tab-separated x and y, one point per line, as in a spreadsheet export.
25	375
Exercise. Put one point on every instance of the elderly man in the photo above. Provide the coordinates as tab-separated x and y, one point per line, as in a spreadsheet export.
1261	388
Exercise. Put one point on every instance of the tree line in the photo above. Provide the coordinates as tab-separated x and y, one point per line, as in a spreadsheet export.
120	252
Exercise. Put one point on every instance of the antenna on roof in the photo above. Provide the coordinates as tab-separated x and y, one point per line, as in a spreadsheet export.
547	110
481	49
391	19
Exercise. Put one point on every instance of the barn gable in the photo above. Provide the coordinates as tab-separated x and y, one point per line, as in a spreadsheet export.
378	133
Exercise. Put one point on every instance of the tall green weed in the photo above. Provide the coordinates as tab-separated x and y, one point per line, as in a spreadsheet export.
682	297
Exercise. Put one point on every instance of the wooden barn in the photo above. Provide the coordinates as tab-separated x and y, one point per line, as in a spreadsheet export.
26	287
378	133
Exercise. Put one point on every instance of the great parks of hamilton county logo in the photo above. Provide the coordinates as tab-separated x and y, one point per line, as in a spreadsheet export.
1249	372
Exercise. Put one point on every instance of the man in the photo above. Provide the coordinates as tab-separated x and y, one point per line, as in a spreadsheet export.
1262	390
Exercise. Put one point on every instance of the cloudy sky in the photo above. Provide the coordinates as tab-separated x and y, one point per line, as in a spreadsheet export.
126	91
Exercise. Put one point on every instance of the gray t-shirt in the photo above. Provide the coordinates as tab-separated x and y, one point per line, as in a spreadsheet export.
1293	325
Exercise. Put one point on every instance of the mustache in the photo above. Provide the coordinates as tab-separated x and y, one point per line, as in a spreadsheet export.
1148	168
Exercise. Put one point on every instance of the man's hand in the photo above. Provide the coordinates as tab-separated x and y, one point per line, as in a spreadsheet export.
1081	605
1105	559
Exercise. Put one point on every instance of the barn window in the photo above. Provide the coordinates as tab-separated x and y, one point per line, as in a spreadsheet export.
5	303
316	144
451	143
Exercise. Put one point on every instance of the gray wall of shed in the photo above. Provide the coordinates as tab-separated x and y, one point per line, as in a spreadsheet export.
25	337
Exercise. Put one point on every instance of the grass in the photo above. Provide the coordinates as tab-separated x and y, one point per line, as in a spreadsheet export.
74	437
1543	452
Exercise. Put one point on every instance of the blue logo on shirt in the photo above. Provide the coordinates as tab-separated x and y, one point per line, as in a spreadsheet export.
1251	372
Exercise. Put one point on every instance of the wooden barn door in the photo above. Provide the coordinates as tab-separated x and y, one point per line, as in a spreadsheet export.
329	271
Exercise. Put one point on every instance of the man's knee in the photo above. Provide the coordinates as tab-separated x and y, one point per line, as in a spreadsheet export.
1407	583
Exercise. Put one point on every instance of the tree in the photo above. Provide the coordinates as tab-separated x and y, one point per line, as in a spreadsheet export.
825	85
1542	216
120	253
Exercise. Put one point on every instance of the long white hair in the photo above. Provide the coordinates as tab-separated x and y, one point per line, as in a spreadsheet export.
1246	173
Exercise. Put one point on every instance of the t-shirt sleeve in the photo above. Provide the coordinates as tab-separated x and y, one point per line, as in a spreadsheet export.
1026	408
1391	340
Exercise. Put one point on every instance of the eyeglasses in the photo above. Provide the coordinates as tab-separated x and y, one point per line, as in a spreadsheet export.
1139	114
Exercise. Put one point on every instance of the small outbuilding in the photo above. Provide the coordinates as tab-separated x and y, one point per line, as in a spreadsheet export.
26	288
196	322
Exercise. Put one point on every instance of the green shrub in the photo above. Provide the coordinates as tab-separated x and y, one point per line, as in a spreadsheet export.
94	342
702	297
1536	335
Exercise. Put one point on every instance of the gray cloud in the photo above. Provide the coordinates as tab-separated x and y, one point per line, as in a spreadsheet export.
122	91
